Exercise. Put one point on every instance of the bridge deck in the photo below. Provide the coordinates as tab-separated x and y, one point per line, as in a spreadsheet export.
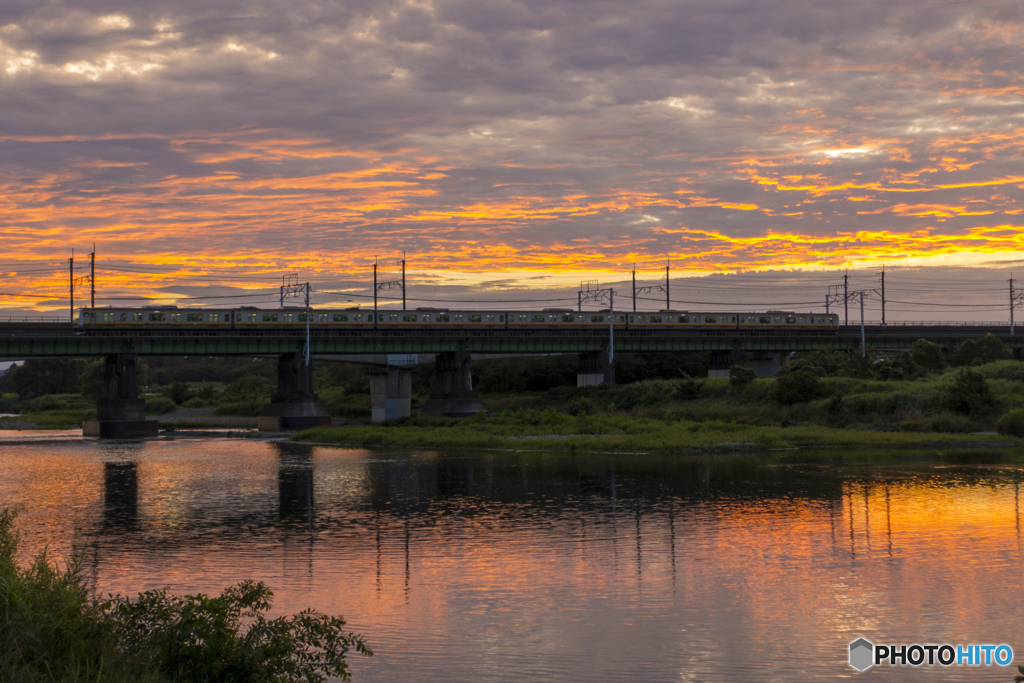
35	340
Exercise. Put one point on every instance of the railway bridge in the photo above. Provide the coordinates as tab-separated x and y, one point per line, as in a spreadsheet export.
391	352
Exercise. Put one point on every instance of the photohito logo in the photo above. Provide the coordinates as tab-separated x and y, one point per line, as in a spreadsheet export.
864	654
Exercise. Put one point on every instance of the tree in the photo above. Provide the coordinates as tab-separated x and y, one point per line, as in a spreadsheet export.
977	351
928	355
47	376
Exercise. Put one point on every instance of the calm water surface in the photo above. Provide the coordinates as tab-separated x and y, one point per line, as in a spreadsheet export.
512	566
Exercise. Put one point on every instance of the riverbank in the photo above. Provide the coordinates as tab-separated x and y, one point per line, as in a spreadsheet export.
550	431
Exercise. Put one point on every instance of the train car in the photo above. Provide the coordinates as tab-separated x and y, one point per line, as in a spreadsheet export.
254	319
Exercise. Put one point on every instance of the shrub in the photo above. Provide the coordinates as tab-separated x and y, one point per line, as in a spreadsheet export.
688	388
953	424
53	628
178	392
902	367
969	394
200	638
46	402
249	389
823	363
928	355
158	405
240	408
740	375
1011	422
9	403
796	386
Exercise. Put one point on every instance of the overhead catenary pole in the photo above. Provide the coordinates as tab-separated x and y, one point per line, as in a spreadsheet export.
882	275
846	298
374	292
634	287
403	280
863	347
92	276
308	316
71	285
668	301
611	326
1011	304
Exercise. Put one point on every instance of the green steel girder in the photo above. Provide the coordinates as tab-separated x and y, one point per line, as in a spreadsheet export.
36	344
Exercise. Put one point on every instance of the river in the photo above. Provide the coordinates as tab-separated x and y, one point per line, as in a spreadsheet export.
507	566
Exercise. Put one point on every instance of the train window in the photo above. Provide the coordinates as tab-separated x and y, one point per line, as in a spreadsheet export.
490	319
568	319
340	318
302	317
157	317
778	319
732	319
622	318
811	320
475	318
409	318
175	317
357	317
501	318
270	317
684	318
711	319
321	317
536	318
522	318
764	319
124	317
655	318
394	317
790	319
597	318
196	317
444	318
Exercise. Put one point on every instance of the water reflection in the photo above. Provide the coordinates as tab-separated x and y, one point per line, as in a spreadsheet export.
599	567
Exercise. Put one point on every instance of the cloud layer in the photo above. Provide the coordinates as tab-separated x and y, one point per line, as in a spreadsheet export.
504	136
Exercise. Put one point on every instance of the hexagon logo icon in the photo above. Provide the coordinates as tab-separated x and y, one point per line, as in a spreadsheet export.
861	654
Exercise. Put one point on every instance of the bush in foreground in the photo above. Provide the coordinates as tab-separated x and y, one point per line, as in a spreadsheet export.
53	628
1011	422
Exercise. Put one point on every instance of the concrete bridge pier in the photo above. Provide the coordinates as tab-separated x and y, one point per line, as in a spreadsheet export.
390	392
452	395
120	413
294	406
594	369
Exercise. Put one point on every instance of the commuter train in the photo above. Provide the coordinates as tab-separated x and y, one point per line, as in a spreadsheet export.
248	318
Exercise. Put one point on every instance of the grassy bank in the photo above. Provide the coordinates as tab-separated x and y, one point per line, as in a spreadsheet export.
552	431
794	409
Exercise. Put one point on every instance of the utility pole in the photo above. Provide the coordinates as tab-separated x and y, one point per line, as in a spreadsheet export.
882	275
634	287
403	280
859	296
668	302
374	292
846	298
92	276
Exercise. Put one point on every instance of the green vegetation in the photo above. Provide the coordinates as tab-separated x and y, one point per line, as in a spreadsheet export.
825	398
54	628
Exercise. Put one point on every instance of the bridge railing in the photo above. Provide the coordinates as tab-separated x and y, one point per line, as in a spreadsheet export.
36	319
936	323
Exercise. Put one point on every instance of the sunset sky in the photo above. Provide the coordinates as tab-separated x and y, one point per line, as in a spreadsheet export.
507	144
